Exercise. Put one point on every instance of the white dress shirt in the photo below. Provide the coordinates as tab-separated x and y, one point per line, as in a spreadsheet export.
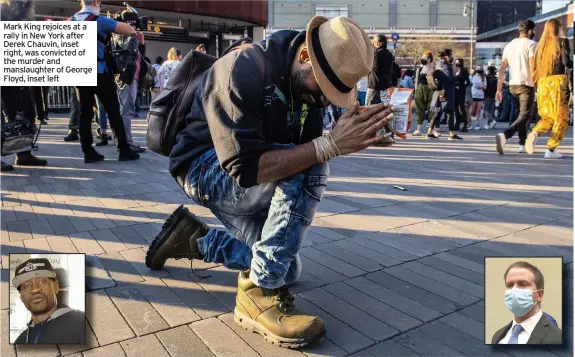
528	327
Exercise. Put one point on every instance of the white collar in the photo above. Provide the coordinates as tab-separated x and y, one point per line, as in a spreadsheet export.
529	324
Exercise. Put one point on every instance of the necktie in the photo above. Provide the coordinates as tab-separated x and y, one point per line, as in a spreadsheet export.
515	334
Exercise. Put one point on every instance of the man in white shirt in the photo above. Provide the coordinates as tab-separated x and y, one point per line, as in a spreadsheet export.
519	55
523	298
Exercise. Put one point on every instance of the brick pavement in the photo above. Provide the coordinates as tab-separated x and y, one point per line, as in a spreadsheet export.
391	272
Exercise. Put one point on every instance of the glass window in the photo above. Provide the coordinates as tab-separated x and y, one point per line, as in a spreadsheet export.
331	11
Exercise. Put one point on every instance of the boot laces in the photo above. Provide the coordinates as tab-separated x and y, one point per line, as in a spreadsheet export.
283	298
189	256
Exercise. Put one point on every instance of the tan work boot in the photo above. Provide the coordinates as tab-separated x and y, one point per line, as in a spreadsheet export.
272	314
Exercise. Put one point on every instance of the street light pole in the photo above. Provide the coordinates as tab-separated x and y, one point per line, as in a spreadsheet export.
472	8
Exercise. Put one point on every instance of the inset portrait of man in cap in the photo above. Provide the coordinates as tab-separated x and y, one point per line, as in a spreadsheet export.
37	282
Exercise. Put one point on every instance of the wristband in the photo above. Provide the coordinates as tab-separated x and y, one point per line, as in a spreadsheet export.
325	148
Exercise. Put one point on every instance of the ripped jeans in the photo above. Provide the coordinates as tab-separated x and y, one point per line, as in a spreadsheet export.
266	223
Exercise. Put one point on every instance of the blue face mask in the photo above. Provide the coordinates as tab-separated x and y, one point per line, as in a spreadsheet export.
519	301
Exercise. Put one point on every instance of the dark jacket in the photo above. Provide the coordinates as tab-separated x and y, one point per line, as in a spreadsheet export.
446	82
545	333
65	326
395	75
380	76
491	86
242	114
462	81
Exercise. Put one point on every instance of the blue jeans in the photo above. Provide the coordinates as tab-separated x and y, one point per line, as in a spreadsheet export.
102	116
266	223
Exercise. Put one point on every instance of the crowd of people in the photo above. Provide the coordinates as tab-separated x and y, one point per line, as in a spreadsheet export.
464	99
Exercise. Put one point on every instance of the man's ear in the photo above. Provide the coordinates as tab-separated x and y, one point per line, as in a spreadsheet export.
56	287
22	299
540	295
303	55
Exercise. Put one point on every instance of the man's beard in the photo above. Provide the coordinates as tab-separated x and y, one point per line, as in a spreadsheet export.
299	82
47	308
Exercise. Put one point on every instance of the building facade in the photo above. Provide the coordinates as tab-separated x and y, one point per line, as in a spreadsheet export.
450	22
490	44
509	32
492	15
412	18
181	24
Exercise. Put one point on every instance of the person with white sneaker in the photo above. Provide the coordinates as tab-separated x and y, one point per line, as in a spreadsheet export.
519	56
423	93
489	100
552	57
478	86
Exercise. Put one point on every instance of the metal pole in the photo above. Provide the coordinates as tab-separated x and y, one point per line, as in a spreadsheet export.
472	8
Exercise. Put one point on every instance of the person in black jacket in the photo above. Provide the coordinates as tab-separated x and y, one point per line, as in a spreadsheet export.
395	74
463	82
489	100
380	77
443	99
253	153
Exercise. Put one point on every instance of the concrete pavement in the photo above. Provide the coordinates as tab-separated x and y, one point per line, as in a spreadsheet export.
391	272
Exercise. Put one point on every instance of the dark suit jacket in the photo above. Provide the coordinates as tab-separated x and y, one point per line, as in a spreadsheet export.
545	333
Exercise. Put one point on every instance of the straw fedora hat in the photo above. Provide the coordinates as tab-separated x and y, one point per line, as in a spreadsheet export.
341	55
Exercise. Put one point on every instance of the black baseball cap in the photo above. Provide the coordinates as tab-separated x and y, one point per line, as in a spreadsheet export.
33	268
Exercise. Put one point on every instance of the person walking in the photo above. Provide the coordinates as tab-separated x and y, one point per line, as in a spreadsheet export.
478	86
173	61
423	93
519	56
461	86
443	99
552	59
380	77
489	100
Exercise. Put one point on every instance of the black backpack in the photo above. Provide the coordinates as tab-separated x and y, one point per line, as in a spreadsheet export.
167	114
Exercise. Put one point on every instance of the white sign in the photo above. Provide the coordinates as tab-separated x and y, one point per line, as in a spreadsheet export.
44	53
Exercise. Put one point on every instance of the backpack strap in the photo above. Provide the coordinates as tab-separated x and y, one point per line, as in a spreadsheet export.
93	17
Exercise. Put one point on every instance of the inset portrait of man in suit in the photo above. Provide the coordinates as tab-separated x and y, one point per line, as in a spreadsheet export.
523	301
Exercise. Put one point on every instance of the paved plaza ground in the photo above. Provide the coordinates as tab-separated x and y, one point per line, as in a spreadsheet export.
391	272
